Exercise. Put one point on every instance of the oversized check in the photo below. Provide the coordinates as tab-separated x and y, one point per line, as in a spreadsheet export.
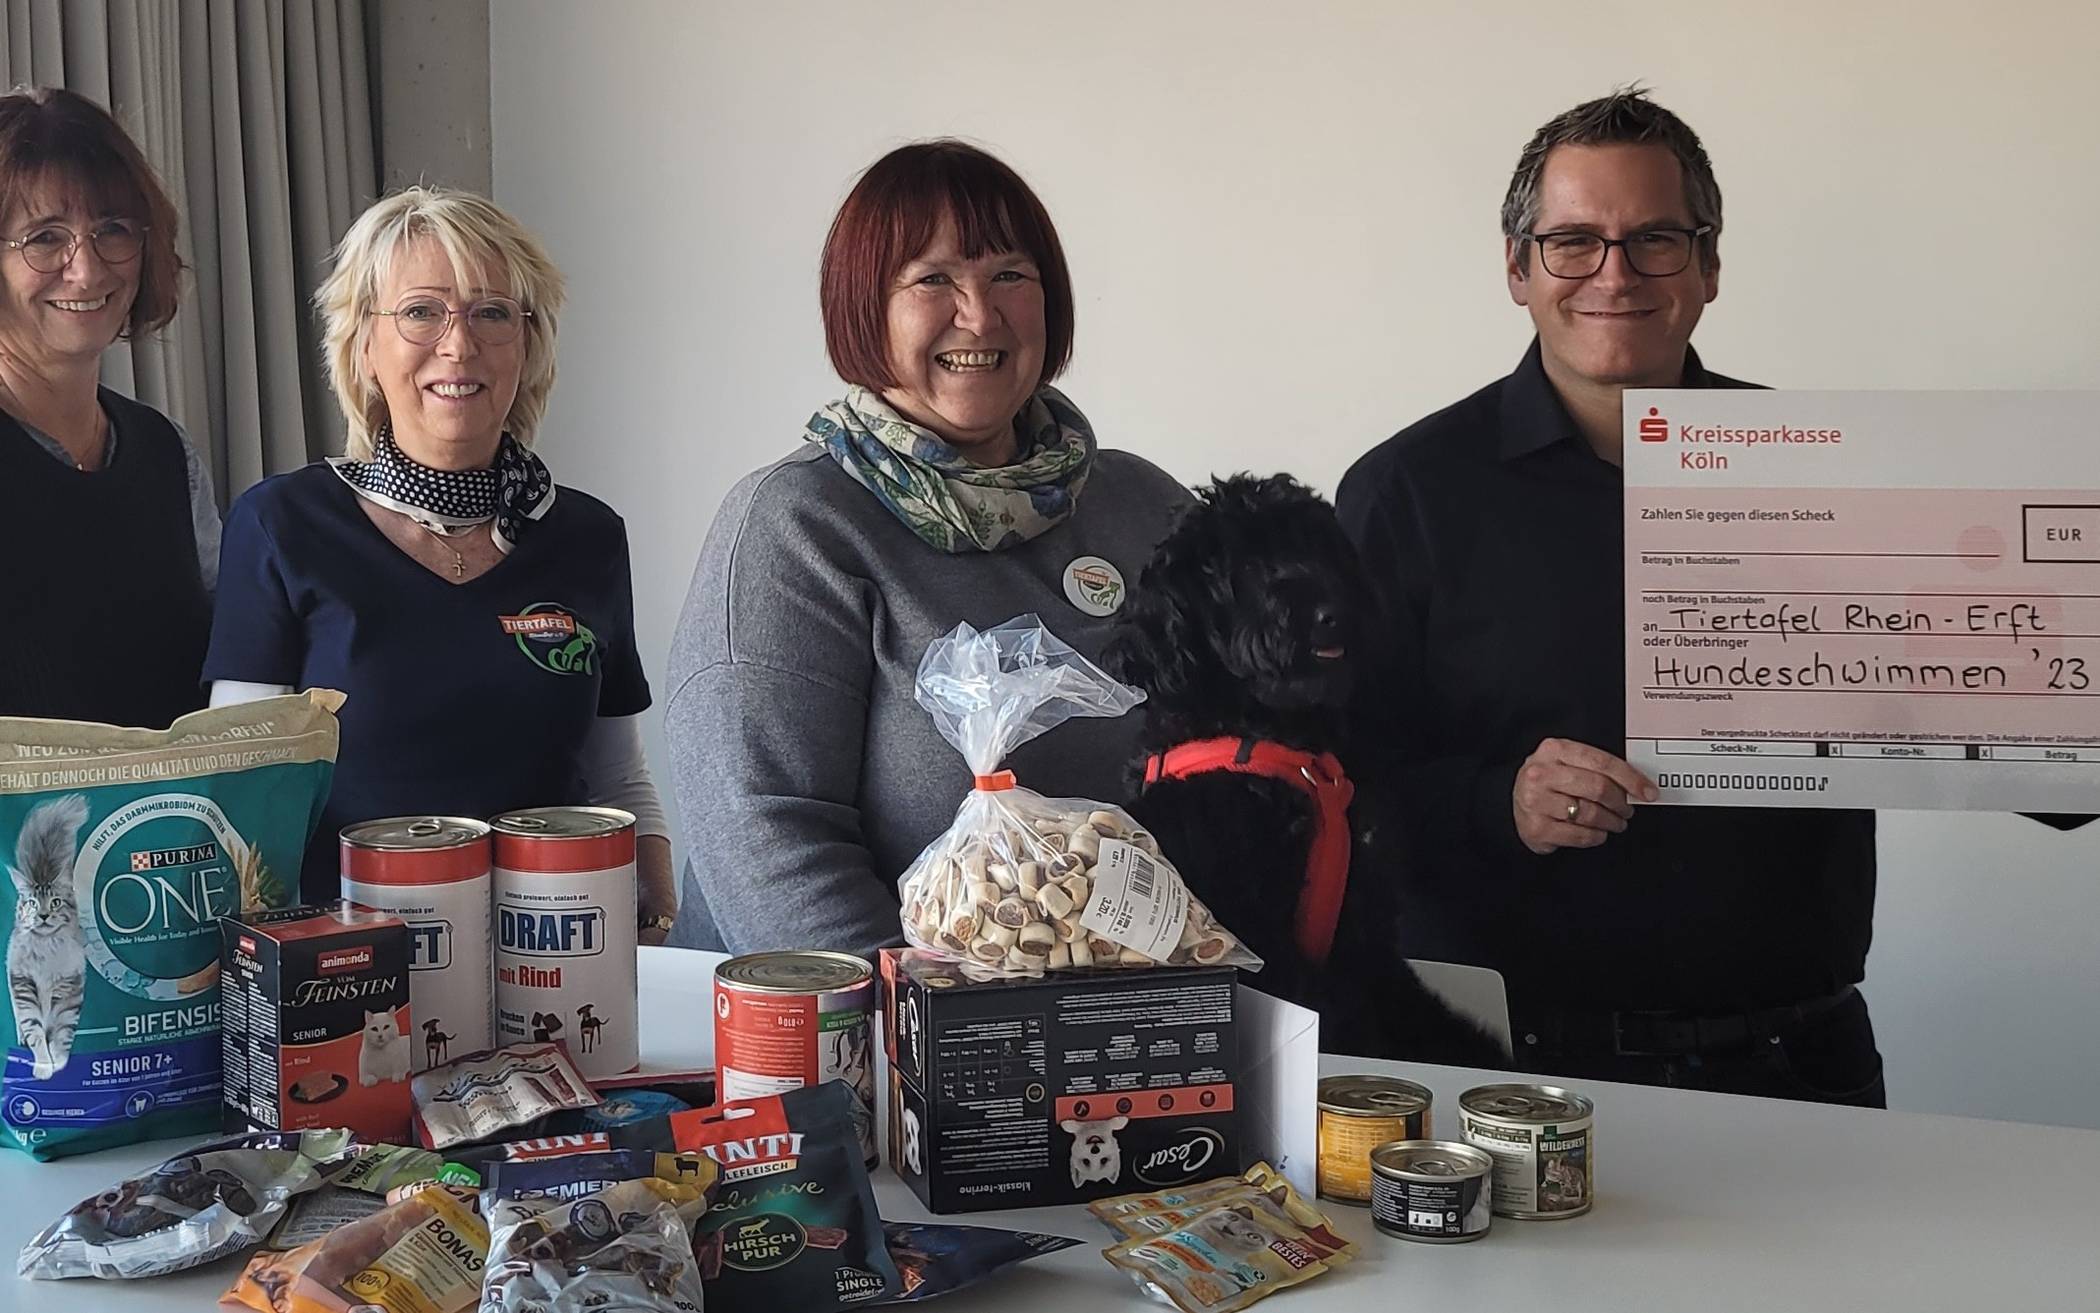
1864	599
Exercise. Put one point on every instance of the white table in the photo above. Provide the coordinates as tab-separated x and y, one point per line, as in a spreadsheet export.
1706	1203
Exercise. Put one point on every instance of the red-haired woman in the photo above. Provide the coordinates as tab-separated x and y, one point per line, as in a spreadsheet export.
950	484
114	534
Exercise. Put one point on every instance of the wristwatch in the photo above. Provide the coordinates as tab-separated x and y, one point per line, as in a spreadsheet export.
658	922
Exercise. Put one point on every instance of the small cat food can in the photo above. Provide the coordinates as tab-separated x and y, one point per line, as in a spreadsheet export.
433	872
566	905
786	1020
317	1020
1435	1191
1357	1114
1540	1139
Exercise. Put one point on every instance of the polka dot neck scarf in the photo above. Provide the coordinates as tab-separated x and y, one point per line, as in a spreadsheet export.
508	496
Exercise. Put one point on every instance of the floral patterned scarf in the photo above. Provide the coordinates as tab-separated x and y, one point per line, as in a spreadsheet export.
944	499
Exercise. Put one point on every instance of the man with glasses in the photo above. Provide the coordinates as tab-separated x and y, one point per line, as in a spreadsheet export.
1705	947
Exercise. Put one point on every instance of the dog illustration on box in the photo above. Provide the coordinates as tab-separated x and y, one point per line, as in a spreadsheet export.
437	1045
1095	1154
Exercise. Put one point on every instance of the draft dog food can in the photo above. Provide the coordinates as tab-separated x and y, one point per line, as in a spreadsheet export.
1357	1114
1435	1191
565	934
1540	1139
433	873
791	1019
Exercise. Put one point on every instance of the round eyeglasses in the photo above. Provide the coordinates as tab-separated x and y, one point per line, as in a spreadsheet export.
50	248
1652	252
424	320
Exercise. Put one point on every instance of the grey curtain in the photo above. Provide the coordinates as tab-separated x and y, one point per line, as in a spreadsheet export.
257	113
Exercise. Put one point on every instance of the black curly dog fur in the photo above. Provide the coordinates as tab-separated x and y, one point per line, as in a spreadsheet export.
1253	621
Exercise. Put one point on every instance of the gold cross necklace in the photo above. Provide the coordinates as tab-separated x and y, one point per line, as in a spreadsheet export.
459	562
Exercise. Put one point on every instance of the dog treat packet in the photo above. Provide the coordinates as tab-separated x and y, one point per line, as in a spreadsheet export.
124	847
1021	883
933	1258
201	1205
568	1177
484	1095
1136	1215
636	1097
627	1247
379	1174
424	1254
378	1168
793	1223
1235	1251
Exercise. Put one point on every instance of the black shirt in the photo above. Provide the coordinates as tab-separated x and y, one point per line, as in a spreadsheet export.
102	584
1498	538
464	699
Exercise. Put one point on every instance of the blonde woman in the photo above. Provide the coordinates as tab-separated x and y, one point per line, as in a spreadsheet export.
479	615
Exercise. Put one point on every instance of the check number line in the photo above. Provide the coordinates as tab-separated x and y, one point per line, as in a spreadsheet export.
1904	556
2011	596
1878	692
1875	633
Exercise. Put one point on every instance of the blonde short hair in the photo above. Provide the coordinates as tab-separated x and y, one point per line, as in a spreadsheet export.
478	238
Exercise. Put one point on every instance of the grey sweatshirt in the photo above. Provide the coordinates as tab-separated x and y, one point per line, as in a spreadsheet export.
807	775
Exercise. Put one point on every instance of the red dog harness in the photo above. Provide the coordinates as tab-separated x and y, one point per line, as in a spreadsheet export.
1320	777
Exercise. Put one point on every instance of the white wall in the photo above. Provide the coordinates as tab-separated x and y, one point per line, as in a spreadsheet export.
431	102
1281	220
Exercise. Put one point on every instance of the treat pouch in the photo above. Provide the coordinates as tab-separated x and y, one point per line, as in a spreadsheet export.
1228	1255
424	1254
216	1199
1021	883
792	1225
935	1258
499	1092
627	1247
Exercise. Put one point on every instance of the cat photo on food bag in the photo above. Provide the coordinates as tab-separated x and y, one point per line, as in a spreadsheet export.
1231	1230
382	1054
46	951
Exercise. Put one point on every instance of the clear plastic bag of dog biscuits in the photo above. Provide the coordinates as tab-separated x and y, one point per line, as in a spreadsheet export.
1021	883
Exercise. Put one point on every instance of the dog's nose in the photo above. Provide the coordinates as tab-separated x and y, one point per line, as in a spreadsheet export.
1327	619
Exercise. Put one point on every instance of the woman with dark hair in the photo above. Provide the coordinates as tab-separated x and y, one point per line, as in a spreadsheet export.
116	536
949	484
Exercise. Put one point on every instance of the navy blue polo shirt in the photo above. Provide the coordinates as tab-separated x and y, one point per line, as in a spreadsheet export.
465	699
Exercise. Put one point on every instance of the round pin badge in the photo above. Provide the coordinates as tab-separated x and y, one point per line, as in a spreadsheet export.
1094	586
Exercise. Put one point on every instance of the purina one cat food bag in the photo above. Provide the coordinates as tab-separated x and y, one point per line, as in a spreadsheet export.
123	848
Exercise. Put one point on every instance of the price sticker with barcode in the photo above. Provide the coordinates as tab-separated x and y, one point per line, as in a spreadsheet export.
1135	903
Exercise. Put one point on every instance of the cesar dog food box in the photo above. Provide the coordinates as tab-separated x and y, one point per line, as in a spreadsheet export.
1061	1089
317	1021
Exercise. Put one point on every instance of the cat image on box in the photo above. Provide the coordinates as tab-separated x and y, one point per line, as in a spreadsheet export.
47	950
382	1055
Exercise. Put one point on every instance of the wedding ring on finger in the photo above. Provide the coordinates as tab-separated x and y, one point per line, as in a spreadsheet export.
1573	808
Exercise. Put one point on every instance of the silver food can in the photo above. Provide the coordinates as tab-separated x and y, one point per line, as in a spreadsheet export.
785	1020
1540	1137
1435	1191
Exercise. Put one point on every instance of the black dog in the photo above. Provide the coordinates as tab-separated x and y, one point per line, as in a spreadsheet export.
1248	631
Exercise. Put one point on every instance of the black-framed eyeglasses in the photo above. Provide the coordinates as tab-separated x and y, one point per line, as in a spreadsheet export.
424	320
50	248
1653	252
